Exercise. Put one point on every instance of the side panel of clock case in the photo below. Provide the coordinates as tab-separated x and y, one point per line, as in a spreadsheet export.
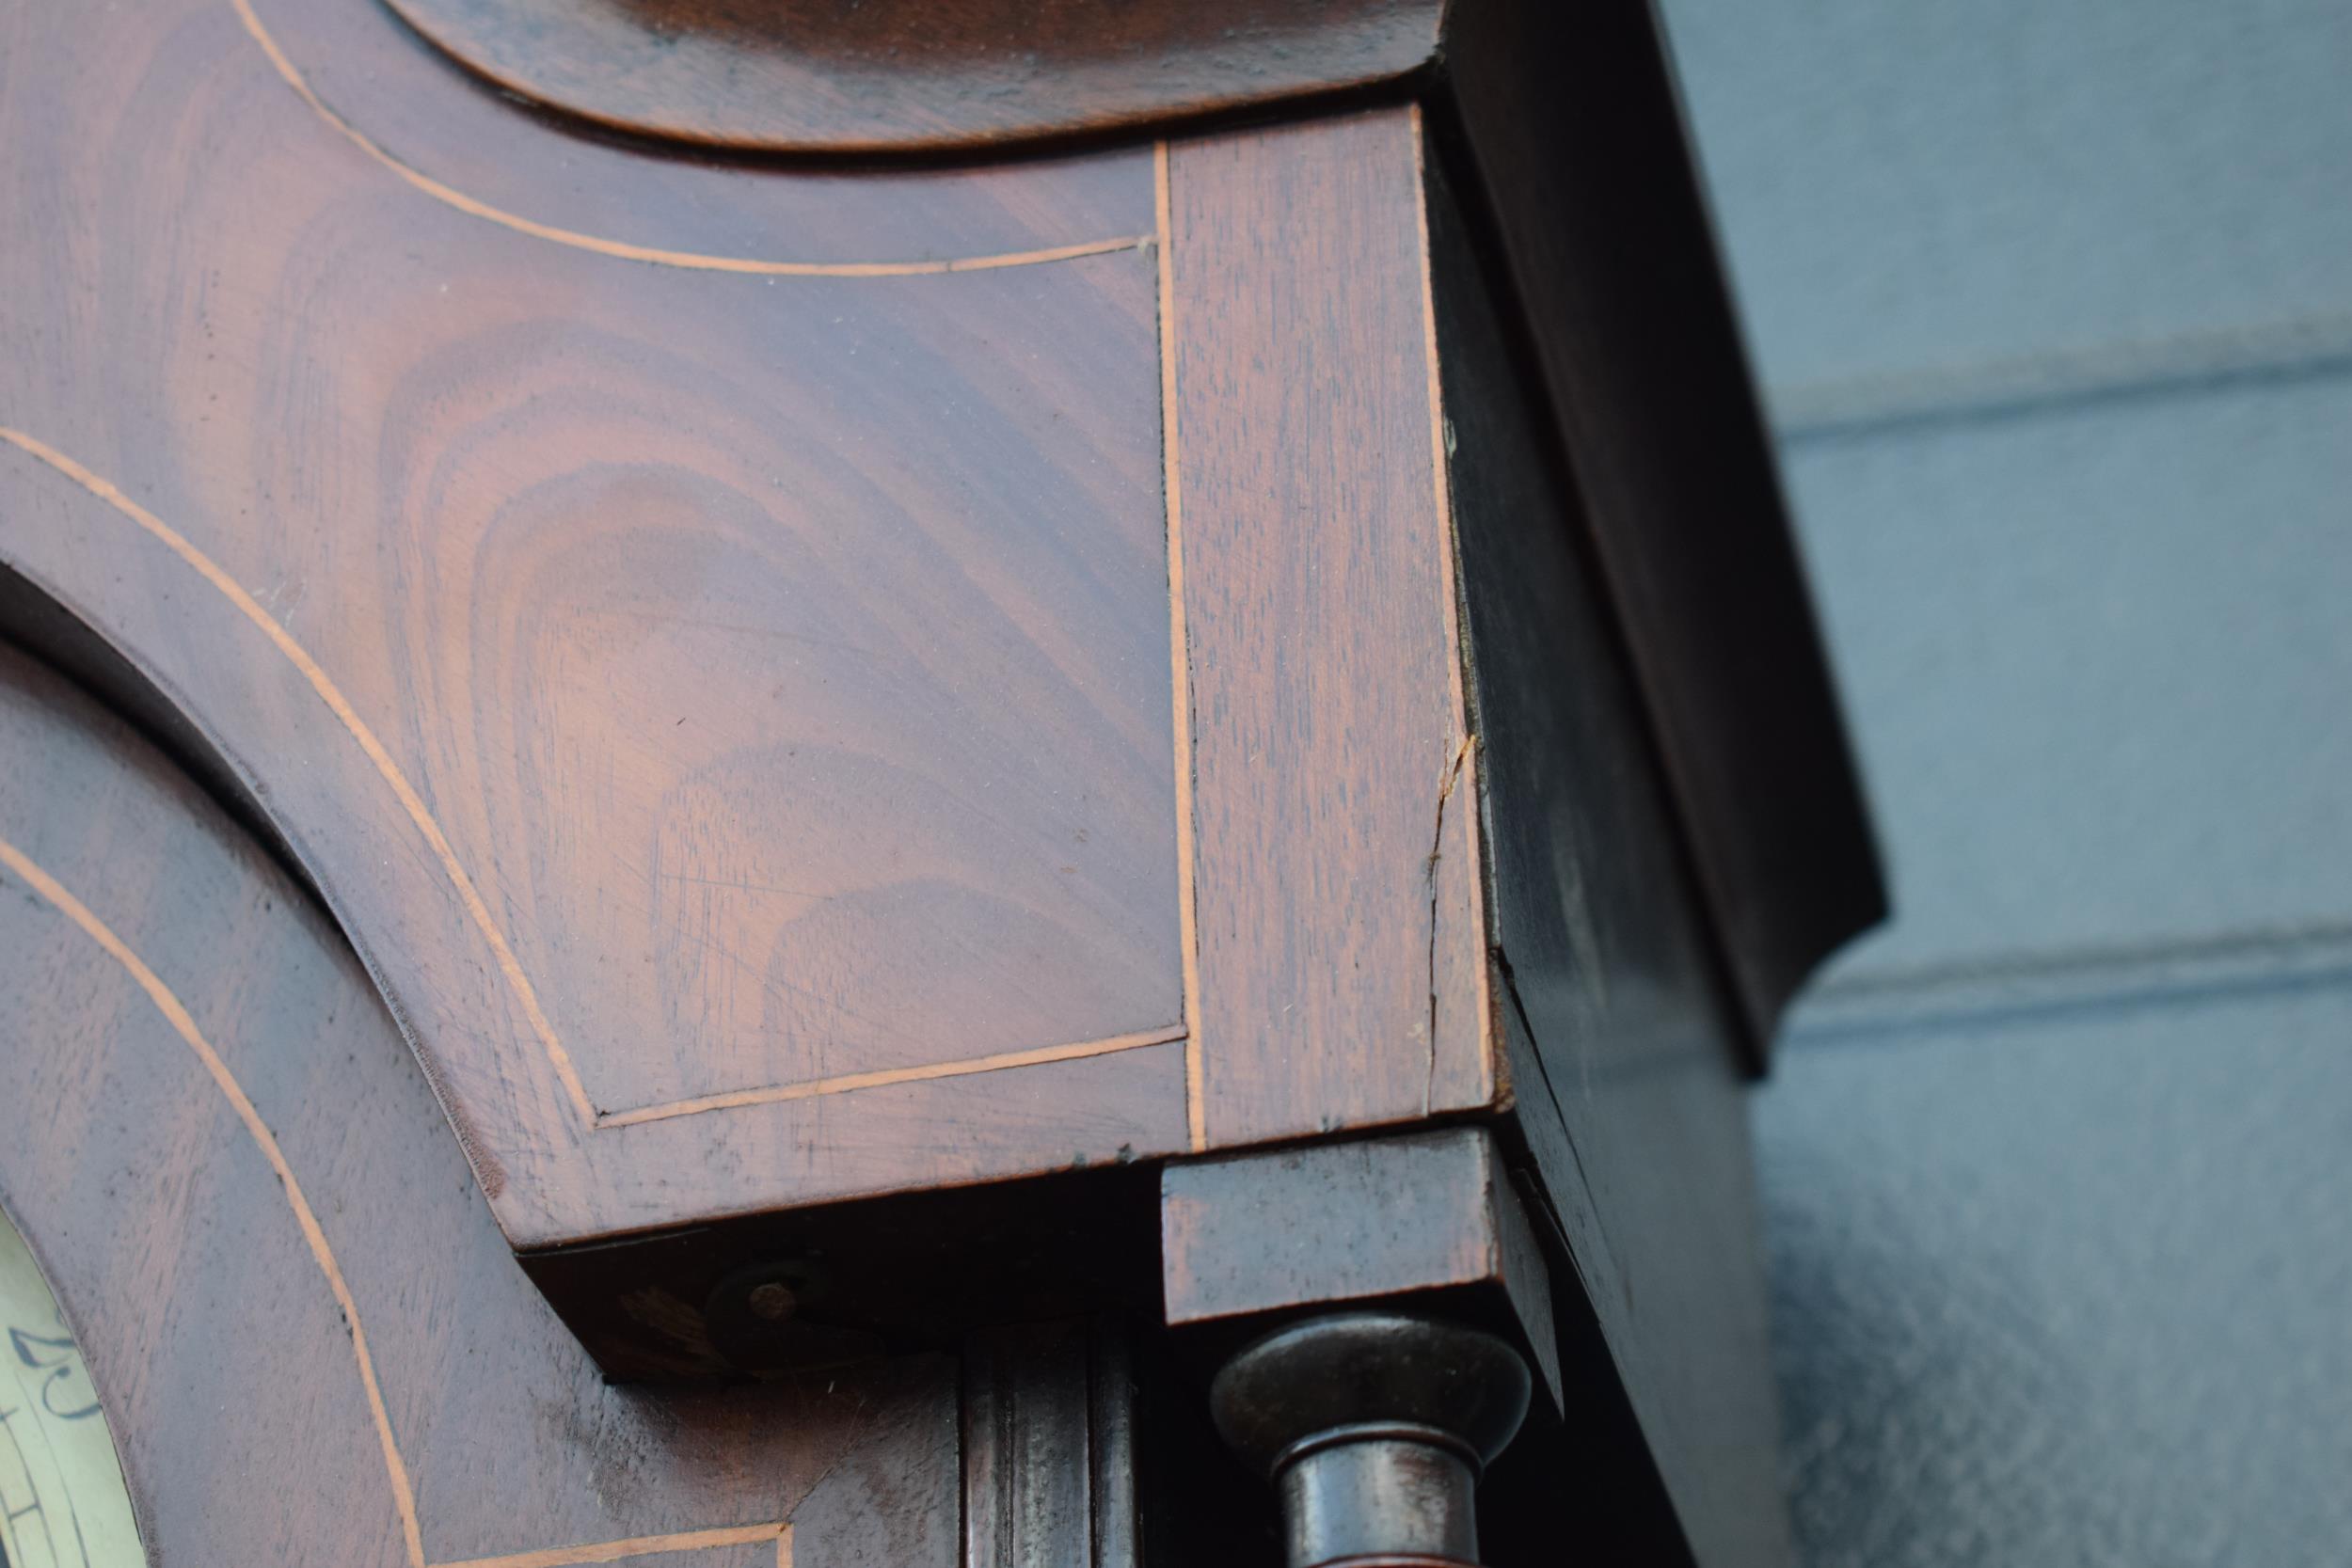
308	1338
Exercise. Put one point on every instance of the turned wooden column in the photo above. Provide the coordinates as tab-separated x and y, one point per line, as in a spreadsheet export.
1373	1429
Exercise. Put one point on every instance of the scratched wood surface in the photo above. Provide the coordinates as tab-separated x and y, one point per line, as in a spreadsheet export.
816	75
717	674
1340	960
311	1340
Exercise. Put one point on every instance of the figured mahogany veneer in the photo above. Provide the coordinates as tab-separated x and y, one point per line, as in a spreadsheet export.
649	664
763	721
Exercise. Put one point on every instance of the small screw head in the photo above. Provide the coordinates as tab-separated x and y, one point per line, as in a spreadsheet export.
769	1314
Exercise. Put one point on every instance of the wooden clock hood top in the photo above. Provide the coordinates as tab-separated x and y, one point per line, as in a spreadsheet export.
803	682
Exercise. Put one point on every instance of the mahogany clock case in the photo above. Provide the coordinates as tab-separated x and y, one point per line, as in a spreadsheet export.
277	1266
854	715
769	665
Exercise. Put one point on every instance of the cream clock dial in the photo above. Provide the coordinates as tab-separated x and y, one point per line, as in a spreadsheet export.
63	1503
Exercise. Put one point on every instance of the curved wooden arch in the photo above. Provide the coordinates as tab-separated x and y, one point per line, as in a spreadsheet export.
389	113
692	260
276	1264
921	75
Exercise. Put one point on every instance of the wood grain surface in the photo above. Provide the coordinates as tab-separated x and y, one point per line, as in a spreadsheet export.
779	726
1341	954
1428	1222
373	85
805	685
802	686
657	655
900	76
311	1343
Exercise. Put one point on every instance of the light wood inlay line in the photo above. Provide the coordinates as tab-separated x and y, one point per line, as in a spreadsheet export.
644	1546
175	1013
411	801
450	197
478	911
1180	664
882	1077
